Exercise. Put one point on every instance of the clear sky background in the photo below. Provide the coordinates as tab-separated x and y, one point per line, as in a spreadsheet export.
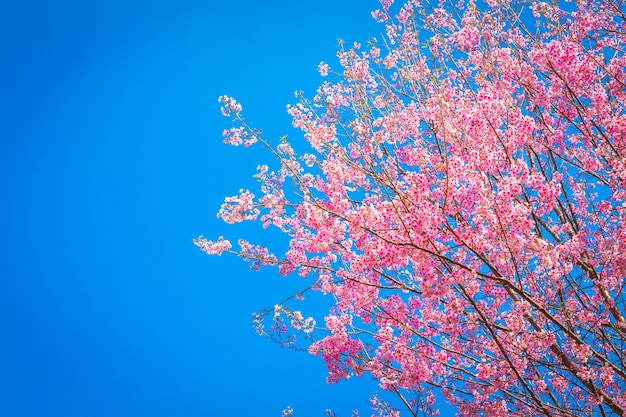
111	162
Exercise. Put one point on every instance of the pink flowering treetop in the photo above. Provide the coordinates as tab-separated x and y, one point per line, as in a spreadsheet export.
463	205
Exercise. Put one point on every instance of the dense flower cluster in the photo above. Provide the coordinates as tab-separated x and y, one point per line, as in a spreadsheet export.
464	205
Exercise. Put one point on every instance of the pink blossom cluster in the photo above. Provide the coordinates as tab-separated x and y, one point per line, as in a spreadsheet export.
258	255
239	208
299	323
323	68
213	248
239	136
229	106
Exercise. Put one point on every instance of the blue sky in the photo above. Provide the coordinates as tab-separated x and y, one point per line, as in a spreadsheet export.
111	163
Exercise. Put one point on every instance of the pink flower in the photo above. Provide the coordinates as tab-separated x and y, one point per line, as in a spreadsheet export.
323	68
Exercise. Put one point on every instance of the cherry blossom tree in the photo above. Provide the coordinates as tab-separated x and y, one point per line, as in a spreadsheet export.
462	204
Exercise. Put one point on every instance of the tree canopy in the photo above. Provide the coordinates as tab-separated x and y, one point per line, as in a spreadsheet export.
463	204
